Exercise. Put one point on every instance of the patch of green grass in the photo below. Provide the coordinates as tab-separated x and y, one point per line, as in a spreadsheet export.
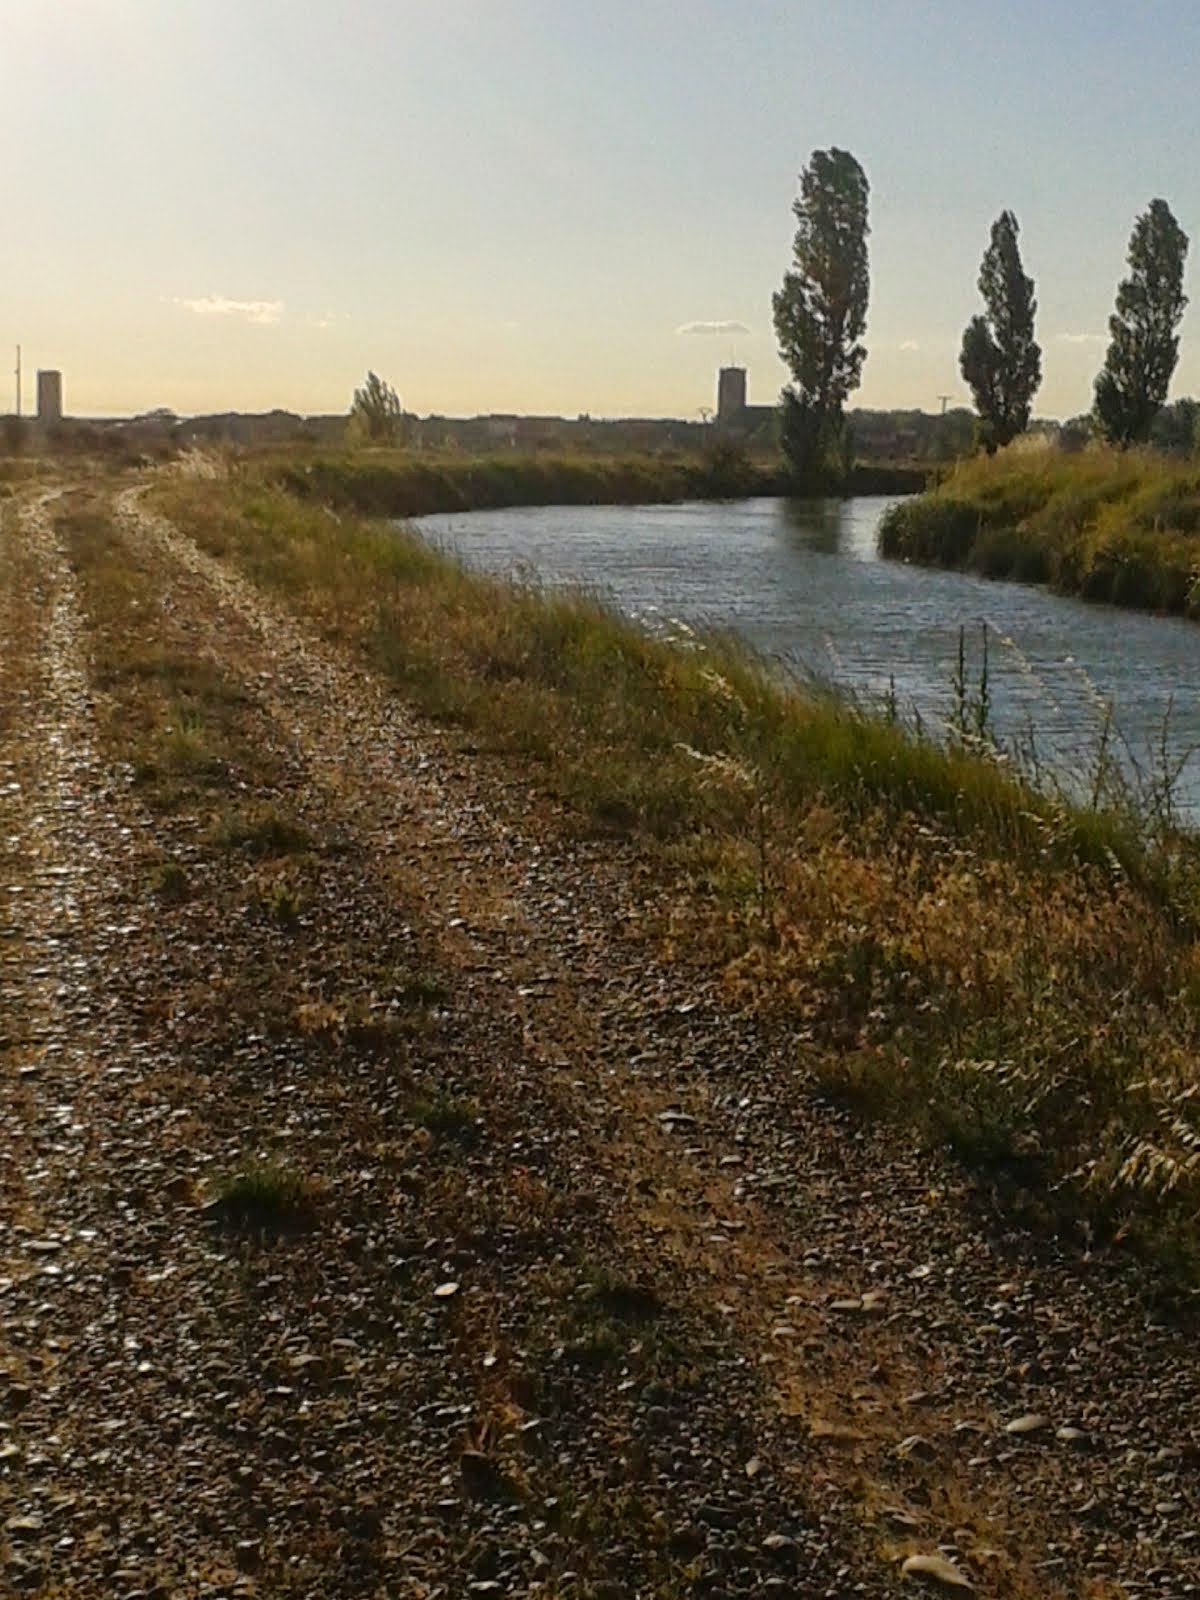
262	831
187	744
447	1118
614	1319
356	1021
410	987
169	881
630	1301
267	1195
283	903
595	1346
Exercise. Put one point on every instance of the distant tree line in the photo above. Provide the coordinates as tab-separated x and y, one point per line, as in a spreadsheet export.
1175	429
820	314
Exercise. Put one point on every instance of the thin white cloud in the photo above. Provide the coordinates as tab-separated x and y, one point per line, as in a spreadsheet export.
1080	338
909	344
262	312
712	327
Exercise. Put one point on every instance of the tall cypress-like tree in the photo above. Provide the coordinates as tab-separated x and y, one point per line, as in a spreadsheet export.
1143	329
821	308
1001	361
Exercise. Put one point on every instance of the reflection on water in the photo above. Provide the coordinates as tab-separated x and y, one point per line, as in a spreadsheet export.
801	580
816	525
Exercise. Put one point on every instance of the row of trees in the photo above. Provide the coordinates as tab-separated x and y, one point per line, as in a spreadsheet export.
821	318
1001	360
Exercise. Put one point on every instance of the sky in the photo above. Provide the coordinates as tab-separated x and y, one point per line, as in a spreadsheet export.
543	205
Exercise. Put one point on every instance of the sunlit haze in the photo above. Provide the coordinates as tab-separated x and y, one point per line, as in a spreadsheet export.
543	205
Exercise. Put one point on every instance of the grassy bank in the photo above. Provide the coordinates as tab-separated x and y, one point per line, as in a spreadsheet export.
401	484
1121	528
1006	972
886	477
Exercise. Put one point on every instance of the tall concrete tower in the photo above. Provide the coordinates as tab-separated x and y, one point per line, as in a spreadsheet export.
731	393
49	399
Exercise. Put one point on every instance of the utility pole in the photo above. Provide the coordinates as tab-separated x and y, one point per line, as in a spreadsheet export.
18	383
945	399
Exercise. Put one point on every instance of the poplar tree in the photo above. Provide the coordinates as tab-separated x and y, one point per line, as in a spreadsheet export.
1143	329
1001	361
821	308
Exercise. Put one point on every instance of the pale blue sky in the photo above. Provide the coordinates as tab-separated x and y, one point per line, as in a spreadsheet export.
514	204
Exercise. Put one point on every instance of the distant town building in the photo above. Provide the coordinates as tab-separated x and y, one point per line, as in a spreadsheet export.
731	393
49	399
754	426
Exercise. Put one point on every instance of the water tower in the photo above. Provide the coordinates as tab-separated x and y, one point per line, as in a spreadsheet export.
731	393
49	399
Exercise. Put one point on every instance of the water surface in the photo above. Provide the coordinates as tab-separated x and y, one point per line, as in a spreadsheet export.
802	581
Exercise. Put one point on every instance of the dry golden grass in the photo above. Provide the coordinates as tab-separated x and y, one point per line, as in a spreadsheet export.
1046	1024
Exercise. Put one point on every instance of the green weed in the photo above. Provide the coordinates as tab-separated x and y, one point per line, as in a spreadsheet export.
169	881
261	831
266	1195
413	988
447	1118
283	903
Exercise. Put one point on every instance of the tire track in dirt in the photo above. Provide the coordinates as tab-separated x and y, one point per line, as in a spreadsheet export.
61	836
67	916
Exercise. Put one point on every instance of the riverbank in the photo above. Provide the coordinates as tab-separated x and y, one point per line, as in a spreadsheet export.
902	902
1104	525
401	484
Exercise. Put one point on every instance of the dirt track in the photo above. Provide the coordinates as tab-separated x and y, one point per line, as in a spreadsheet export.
709	1336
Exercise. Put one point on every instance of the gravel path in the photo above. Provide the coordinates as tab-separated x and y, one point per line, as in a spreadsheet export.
709	1336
